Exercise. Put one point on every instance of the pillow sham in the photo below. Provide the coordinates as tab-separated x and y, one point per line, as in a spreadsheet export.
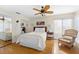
39	29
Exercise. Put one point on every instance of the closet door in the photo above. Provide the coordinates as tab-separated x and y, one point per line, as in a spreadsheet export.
57	28
2	34
1	26
7	25
7	28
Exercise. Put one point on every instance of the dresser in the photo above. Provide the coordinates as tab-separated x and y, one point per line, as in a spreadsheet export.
50	35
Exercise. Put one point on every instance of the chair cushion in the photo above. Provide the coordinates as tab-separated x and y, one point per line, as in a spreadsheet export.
65	40
68	37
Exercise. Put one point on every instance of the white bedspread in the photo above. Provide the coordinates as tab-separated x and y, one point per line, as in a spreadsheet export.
34	40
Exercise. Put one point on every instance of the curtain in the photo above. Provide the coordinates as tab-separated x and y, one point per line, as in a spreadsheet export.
57	28
67	24
60	25
5	28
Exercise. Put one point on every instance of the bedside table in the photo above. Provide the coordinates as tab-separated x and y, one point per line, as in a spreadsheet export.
50	34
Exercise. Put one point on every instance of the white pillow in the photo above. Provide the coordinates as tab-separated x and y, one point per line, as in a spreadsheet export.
39	29
67	37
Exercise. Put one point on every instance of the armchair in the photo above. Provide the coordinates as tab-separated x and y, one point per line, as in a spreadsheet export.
68	38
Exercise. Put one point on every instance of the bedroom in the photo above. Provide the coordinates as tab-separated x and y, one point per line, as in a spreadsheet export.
23	15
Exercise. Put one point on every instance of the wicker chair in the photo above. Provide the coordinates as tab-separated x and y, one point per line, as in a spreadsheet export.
68	38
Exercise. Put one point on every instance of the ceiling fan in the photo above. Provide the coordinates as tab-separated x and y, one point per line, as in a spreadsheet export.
44	10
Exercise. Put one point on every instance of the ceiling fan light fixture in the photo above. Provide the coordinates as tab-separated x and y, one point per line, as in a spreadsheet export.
18	13
44	10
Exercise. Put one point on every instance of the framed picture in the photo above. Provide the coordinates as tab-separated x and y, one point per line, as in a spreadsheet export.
40	23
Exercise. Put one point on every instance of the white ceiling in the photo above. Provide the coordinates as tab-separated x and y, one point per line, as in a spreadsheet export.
27	10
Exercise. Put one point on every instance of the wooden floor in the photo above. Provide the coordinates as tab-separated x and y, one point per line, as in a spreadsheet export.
65	49
17	49
73	50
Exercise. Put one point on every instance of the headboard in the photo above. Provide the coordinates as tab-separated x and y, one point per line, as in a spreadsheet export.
40	27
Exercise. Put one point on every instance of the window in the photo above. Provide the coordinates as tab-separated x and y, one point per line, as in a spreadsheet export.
57	28
61	25
67	24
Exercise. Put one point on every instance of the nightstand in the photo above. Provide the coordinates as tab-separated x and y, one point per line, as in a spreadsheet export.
50	34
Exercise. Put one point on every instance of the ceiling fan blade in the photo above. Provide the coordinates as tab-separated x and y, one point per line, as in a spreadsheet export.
49	12
36	9
37	13
46	7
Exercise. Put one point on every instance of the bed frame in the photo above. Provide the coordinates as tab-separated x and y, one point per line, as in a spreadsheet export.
40	27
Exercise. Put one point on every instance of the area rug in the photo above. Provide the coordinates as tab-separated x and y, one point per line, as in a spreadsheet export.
4	43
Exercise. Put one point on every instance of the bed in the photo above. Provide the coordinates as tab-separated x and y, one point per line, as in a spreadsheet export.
35	39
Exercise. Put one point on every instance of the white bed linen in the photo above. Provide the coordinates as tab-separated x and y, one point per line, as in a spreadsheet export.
34	40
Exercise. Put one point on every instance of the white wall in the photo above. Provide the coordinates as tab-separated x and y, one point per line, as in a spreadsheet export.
26	24
50	19
16	27
76	25
47	19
